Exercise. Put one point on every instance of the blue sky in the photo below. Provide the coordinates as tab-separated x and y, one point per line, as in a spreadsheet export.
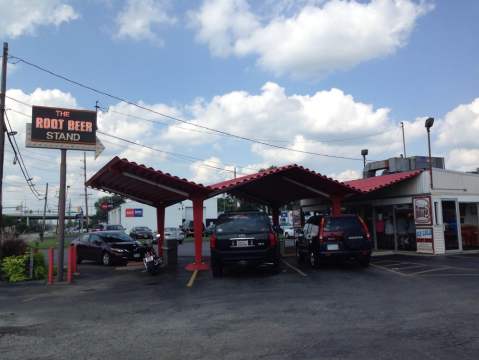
298	73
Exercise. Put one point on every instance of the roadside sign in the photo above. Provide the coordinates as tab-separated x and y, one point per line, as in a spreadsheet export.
59	126
106	206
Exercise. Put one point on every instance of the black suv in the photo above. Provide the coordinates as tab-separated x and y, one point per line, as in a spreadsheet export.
243	237
343	236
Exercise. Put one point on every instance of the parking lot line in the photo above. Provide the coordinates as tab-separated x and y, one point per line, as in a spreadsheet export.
192	279
294	268
431	270
441	275
388	269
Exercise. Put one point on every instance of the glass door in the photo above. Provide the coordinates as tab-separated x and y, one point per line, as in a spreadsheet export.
450	221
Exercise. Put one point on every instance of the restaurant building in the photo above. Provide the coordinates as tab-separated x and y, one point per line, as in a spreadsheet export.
406	211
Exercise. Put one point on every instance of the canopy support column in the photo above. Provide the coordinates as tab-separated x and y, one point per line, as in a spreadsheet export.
336	205
160	228
198	231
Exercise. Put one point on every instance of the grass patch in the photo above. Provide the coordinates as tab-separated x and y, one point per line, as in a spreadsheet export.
50	242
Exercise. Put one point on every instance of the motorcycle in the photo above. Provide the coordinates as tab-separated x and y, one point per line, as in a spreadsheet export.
151	261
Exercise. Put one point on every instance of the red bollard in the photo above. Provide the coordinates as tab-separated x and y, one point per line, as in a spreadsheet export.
70	265
50	266
75	266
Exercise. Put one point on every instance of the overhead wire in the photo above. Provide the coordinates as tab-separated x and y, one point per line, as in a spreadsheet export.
20	162
177	119
204	163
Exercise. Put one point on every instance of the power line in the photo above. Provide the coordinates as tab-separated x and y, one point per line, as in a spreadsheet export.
177	155
121	99
205	163
20	162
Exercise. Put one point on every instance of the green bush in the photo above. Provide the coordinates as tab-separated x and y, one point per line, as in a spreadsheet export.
13	268
16	268
39	268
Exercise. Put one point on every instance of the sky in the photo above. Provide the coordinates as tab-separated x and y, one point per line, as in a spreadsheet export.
327	77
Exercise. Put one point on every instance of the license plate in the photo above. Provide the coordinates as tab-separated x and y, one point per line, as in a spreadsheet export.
136	255
333	247
149	258
241	243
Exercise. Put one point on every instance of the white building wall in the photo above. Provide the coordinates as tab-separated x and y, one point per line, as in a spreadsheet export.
173	214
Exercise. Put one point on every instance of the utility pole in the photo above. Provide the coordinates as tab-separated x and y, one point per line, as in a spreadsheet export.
61	214
234	173
86	195
44	212
3	90
403	140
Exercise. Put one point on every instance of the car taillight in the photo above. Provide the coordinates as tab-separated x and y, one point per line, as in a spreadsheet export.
213	241
273	240
365	228
321	230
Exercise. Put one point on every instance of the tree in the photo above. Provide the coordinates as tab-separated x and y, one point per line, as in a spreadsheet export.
101	214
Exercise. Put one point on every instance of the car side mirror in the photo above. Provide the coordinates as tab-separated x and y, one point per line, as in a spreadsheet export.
97	242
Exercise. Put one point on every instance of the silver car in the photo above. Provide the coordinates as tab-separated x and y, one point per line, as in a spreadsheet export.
172	233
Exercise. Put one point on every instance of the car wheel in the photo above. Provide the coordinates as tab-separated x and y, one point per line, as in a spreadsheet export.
106	259
314	259
364	261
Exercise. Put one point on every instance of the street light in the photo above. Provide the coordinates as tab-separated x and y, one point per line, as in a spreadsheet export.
364	152
428	124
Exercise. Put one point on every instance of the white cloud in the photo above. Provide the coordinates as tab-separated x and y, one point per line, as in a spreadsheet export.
318	38
346	175
21	17
206	171
460	127
139	19
463	159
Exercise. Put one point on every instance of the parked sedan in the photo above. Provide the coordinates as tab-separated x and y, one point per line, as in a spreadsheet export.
172	233
108	247
141	233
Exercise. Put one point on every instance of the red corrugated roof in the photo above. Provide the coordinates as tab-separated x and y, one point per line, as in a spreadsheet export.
380	182
144	184
225	185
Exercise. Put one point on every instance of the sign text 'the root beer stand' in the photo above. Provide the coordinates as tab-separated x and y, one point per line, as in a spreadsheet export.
63	126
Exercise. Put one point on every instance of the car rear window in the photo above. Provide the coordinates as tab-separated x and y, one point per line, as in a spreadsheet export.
114	227
115	237
243	223
346	224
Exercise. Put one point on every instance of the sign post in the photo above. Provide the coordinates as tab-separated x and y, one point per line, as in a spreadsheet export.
64	129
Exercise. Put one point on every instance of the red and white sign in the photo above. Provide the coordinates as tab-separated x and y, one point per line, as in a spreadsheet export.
422	210
425	240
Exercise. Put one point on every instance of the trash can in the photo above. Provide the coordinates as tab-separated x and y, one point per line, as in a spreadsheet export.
170	252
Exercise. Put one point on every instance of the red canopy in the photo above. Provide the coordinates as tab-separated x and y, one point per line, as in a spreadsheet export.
278	186
144	184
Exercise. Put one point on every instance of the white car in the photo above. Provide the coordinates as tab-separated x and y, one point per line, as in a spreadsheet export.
288	231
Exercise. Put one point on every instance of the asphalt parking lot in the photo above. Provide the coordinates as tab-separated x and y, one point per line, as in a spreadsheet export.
401	307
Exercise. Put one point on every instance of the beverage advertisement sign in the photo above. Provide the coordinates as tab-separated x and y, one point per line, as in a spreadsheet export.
422	210
134	212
